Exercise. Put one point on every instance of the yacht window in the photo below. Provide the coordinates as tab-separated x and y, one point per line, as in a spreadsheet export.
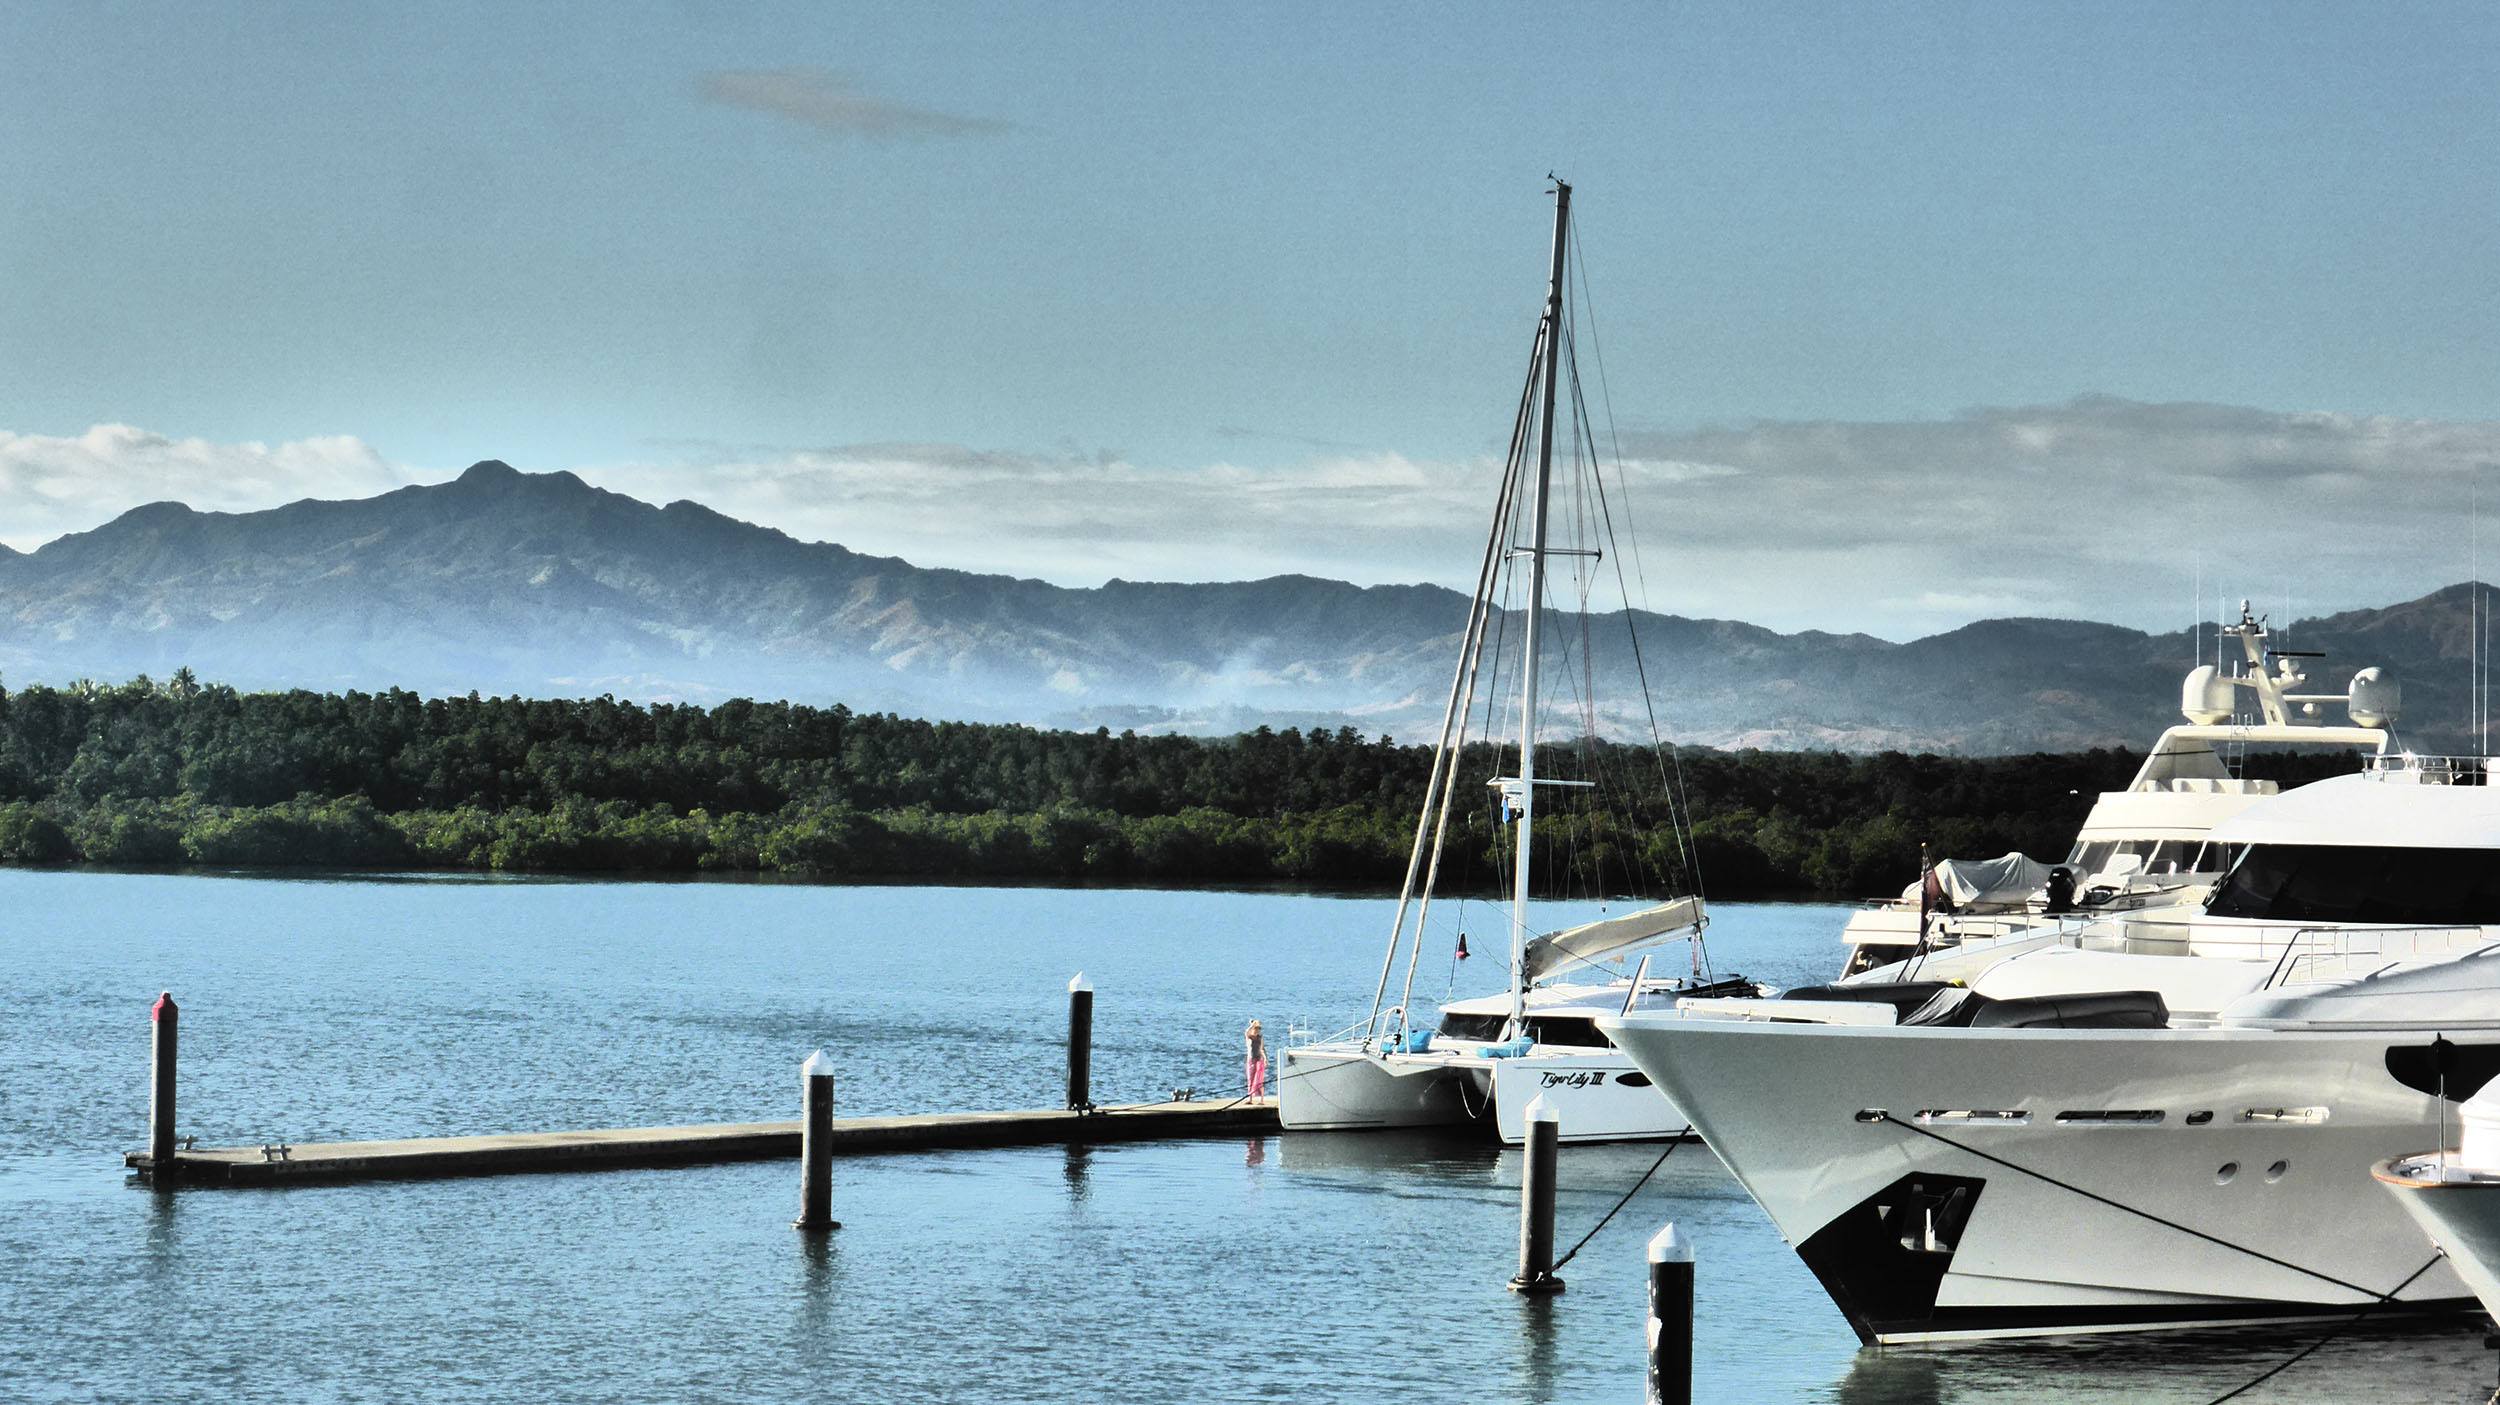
2091	858
2214	858
2339	883
1472	1027
1972	1117
2169	856
1566	1031
2283	1114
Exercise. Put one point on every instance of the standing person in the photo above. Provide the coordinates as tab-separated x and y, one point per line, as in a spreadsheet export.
1254	1059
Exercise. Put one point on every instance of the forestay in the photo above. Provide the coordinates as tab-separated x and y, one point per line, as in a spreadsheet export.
1595	939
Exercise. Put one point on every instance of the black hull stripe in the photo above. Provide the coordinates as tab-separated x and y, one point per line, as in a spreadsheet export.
2009	1320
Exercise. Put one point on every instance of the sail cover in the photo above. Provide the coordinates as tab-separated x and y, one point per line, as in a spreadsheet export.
1595	939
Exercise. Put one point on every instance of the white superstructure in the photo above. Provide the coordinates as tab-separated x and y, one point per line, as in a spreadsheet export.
2150	844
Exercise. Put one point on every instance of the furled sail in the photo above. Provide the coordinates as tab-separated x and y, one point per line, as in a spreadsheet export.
1595	939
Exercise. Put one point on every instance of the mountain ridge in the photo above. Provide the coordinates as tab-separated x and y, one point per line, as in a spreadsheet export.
541	583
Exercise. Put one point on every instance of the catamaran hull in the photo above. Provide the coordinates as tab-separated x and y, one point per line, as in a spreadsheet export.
1596	1098
1347	1090
2265	1142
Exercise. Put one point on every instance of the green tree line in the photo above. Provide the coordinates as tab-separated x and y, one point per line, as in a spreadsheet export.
180	772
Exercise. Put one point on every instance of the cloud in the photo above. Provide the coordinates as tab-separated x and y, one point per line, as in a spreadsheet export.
50	484
2096	508
835	102
2099	506
1086	517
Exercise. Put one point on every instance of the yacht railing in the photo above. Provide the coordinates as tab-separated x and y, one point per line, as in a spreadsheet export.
2431	770
1298	1035
2308	954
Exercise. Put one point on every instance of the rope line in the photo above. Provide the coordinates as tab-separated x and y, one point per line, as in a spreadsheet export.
2341	1328
1672	1143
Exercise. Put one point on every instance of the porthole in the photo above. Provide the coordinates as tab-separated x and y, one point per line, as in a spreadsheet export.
2275	1172
2199	1119
1634	1079
2224	1176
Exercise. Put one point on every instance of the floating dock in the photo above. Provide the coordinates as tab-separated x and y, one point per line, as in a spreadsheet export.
515	1153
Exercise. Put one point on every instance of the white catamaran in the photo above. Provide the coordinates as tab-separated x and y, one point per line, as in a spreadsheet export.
1487	1058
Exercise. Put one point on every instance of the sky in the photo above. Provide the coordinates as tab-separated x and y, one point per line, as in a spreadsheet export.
1909	314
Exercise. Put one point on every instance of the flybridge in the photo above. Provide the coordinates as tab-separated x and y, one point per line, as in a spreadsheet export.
2185	757
2211	696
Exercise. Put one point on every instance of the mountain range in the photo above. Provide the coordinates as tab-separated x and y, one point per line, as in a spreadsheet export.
540	584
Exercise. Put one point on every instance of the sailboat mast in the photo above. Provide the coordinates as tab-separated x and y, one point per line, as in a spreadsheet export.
1536	608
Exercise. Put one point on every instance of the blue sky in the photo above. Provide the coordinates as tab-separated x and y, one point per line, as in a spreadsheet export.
817	264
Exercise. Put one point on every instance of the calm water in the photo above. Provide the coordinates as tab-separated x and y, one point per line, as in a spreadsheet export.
1313	1269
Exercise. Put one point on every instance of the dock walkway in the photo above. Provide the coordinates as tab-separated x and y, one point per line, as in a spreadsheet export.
519	1152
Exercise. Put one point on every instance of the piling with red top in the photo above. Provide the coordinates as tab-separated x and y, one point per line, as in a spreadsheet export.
166	1018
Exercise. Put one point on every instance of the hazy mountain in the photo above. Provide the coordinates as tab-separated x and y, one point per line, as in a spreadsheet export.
505	582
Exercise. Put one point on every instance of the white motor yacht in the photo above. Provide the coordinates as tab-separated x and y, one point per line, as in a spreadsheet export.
2166	1118
1484	1060
2149	845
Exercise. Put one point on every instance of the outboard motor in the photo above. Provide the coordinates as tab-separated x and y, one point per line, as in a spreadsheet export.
2060	890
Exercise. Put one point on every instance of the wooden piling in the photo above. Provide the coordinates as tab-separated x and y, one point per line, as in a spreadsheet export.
816	1144
165	1017
1670	1379
1081	1044
1536	1201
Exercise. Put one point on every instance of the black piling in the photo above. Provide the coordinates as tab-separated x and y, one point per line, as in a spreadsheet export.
1536	1202
1670	1319
1080	1044
816	1145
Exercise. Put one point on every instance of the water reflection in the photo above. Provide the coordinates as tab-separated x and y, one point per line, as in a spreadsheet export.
1890	1378
2387	1361
819	1273
160	1243
1079	1172
1537	1373
1257	1154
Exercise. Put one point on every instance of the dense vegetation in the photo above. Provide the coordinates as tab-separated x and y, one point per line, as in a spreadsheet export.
183	773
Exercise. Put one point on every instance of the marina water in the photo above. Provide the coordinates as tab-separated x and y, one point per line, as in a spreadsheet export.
1315	1268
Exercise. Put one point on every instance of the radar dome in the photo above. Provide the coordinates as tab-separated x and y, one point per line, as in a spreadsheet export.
2375	699
2205	698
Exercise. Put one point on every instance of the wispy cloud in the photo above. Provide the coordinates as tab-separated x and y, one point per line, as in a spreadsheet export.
836	103
52	484
2099	508
1085	517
